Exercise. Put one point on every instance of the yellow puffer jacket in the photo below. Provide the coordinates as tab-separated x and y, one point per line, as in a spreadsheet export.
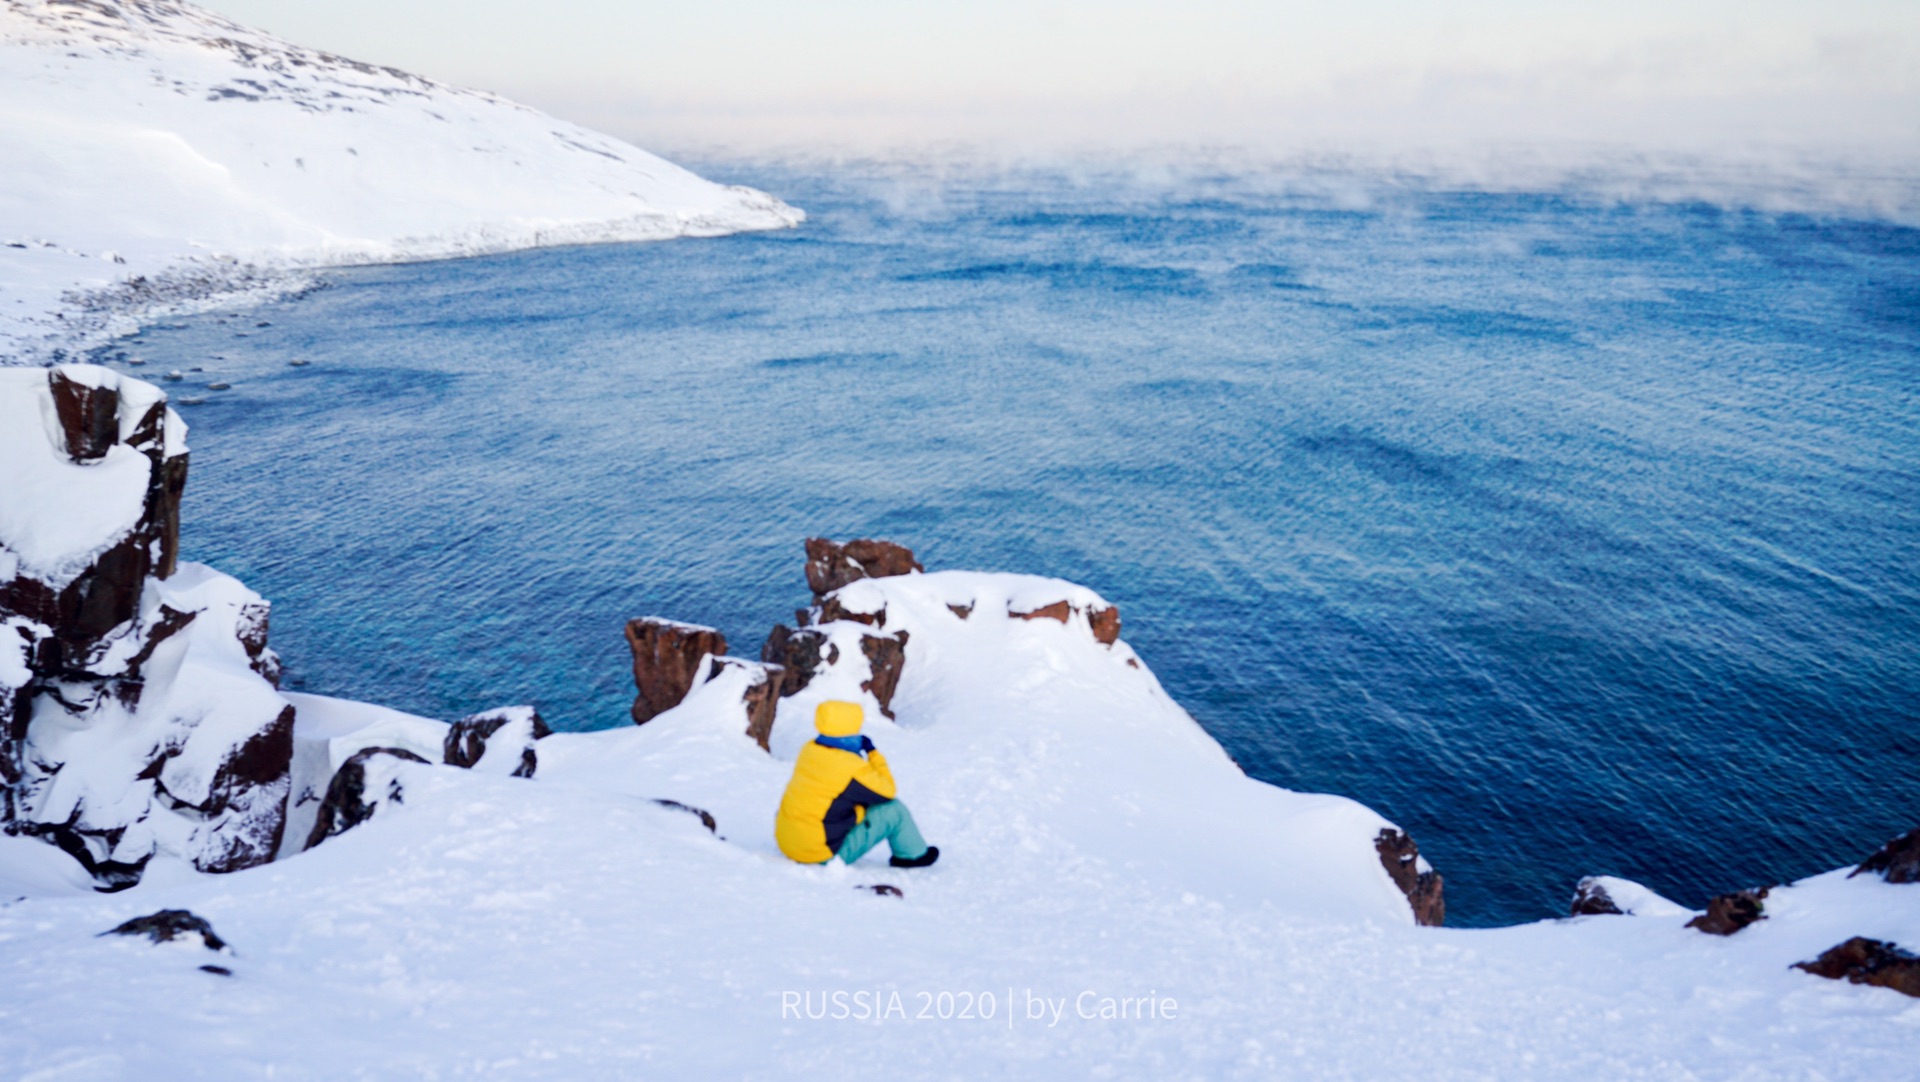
830	791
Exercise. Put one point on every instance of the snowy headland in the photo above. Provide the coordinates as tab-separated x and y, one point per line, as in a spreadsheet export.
159	156
316	887
396	896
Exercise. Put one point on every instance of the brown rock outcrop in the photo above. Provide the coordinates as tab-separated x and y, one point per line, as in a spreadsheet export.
1898	861
832	609
1106	624
831	566
798	654
1059	610
1104	621
763	701
1868	961
887	657
666	662
1425	891
1728	913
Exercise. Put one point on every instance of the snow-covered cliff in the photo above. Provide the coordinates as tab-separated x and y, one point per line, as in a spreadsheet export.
405	897
138	707
157	150
1114	898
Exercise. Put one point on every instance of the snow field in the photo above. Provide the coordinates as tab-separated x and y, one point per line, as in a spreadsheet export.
1093	840
159	141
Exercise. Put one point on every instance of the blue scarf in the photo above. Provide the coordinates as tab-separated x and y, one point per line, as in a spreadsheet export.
855	744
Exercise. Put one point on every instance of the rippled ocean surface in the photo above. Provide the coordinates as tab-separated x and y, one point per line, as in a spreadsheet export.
1575	536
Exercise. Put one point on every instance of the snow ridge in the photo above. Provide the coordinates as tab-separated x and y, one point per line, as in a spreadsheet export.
163	158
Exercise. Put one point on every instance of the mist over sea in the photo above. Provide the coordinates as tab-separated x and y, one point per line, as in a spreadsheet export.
1573	526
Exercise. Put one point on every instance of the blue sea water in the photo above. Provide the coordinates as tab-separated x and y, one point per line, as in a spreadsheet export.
1575	536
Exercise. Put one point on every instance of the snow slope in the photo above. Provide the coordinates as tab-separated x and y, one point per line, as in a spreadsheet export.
1096	846
151	139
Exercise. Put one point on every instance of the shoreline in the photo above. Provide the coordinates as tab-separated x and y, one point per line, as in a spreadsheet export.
87	318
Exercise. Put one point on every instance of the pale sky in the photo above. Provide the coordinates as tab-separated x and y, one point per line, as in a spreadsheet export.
1673	73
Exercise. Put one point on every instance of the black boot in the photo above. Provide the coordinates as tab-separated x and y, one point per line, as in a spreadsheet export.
932	854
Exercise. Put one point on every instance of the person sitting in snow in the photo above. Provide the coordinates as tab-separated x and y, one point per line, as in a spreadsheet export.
840	800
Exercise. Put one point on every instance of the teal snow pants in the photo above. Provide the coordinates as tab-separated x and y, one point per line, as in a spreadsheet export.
891	822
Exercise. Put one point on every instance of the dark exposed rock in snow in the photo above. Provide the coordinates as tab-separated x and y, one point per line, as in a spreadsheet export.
1728	913
1105	623
887	655
1424	887
807	653
762	697
1898	861
89	416
831	566
1102	620
667	656
1059	610
1590	898
362	785
92	413
799	654
1869	961
706	819
129	721
253	781
962	611
170	924
504	735
251	629
109	876
832	608
884	890
1605	894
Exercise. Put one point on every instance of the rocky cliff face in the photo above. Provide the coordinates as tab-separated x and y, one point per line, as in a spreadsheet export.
138	706
831	565
667	658
671	659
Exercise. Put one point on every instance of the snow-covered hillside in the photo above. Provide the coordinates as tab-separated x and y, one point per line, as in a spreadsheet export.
1114	898
1099	855
404	898
155	142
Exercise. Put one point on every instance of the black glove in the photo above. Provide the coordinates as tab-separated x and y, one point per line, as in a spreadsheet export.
866	744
